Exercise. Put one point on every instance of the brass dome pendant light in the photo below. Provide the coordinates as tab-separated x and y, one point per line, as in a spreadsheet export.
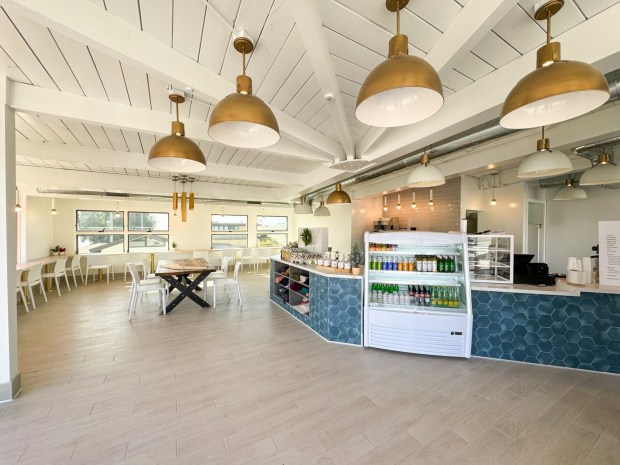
425	174
176	152
242	119
403	89
338	196
557	90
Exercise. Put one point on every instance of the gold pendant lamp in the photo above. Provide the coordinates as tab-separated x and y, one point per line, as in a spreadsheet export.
183	201
175	195
557	90
403	89
242	119
191	193
338	196
176	152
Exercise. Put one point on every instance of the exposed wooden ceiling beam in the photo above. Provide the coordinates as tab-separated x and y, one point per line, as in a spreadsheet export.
310	26
89	24
74	154
37	100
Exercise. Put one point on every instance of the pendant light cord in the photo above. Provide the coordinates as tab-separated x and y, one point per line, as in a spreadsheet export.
243	54
397	18
177	107
548	27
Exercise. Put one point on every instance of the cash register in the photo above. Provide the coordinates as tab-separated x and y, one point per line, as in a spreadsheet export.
536	274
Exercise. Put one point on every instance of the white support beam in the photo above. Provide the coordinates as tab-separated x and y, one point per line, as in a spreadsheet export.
474	22
75	154
310	26
50	177
481	101
37	100
91	25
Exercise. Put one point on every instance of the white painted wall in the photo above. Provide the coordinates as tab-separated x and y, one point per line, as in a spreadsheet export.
338	224
39	227
572	225
507	215
472	198
45	230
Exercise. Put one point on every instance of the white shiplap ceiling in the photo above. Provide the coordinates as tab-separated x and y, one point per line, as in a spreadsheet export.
89	79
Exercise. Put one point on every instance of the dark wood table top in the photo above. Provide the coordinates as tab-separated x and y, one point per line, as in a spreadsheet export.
183	267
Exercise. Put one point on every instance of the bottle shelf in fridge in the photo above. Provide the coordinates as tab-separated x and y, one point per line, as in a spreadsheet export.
403	322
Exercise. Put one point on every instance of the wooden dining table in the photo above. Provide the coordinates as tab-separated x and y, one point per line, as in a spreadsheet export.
177	274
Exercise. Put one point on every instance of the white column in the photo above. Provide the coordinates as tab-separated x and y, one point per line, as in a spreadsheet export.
10	381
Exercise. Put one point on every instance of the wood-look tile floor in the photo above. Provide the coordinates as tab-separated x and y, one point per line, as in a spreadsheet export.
253	385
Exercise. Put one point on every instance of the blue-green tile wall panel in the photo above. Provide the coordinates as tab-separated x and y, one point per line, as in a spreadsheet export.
575	332
345	310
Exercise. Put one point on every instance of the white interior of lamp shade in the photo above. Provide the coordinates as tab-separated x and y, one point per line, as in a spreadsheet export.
399	107
176	165
244	134
554	109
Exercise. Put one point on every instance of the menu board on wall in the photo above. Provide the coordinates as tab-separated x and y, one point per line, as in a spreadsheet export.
609	252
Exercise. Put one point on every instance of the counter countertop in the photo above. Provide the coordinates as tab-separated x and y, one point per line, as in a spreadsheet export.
561	288
329	274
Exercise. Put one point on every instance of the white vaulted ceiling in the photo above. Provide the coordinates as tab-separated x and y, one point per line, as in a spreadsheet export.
89	79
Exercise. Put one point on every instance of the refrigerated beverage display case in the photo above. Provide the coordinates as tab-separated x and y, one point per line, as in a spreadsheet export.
416	293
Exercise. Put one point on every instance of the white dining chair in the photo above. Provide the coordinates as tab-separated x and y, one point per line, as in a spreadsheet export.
249	255
74	263
140	286
264	254
232	254
58	271
135	259
220	274
98	262
20	288
228	282
33	279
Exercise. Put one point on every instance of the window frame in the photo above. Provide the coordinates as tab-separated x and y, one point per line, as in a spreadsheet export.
129	212
77	220
272	230
229	235
268	233
146	235
77	242
218	231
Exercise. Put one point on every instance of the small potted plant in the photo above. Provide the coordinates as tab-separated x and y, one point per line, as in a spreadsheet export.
306	236
55	250
62	250
174	246
356	257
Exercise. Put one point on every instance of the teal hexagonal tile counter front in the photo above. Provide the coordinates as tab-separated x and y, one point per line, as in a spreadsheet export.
574	332
335	302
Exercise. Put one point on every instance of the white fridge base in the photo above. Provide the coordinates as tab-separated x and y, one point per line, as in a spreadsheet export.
420	333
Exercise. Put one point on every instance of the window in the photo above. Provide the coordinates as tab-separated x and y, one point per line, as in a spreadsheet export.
229	241
148	221
100	243
99	221
272	223
229	223
271	239
148	242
